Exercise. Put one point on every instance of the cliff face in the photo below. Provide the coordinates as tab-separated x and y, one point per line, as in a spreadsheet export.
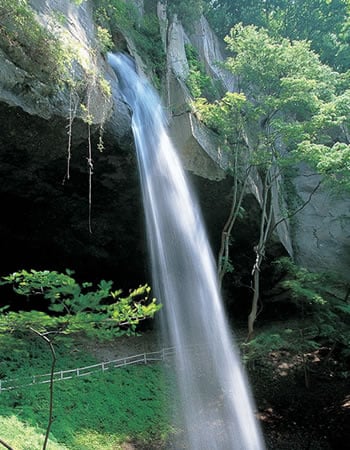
45	177
321	235
201	153
317	236
45	206
26	84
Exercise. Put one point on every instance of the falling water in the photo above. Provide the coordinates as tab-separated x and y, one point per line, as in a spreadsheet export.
216	405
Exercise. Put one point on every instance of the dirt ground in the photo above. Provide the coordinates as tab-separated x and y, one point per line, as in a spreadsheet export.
302	404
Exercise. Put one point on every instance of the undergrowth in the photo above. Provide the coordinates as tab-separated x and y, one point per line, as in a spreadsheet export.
100	411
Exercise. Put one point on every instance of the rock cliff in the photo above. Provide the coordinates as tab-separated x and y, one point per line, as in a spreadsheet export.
47	130
50	130
317	236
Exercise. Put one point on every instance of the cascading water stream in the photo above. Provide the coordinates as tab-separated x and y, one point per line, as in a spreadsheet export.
216	405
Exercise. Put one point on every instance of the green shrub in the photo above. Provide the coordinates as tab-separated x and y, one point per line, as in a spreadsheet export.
149	44
102	312
199	83
104	38
318	297
28	44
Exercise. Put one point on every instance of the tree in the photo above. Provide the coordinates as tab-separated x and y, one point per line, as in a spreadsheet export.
224	14
297	99
226	118
321	22
324	23
328	156
187	11
295	104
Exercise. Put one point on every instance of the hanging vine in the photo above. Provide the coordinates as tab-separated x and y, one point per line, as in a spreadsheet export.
73	106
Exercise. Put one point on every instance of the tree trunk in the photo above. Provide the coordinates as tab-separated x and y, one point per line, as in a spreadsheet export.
53	363
223	256
254	309
265	228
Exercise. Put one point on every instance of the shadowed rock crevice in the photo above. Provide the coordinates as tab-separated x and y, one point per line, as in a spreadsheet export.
45	216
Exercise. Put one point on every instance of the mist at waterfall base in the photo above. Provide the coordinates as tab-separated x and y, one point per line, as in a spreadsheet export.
216	406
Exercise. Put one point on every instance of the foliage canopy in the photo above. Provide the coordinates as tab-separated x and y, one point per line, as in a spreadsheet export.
301	101
74	307
323	23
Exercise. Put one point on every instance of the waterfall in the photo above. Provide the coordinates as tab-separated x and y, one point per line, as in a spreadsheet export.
216	404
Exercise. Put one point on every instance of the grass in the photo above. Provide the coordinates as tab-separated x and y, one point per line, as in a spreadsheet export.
22	436
100	411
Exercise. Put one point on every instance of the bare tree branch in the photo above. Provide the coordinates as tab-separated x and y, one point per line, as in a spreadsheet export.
292	214
6	445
